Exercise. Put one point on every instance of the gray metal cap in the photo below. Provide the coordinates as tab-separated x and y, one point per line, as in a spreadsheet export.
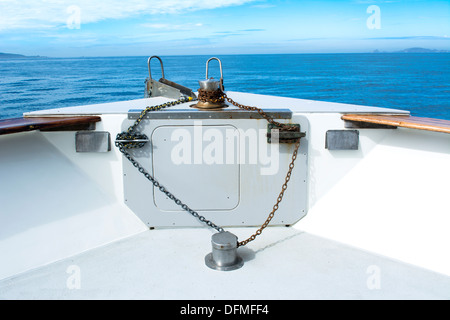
224	255
224	240
209	84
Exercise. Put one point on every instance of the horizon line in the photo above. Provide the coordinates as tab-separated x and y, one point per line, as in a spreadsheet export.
431	51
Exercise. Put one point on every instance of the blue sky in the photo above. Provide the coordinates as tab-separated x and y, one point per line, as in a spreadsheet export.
177	27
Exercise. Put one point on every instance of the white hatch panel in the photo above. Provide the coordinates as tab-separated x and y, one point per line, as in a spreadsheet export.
195	169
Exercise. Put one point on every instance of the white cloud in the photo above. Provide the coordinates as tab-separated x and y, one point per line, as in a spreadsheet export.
170	27
32	14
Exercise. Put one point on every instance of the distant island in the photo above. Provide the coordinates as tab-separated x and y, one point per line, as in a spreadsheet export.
415	50
16	56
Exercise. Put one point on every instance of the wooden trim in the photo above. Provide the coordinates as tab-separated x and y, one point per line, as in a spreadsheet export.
46	123
429	124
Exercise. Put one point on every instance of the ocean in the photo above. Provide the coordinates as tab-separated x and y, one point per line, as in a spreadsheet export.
418	82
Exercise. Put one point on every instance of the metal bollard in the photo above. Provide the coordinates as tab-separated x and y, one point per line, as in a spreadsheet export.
224	255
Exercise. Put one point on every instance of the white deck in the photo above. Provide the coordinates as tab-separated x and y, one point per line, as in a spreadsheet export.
285	263
262	101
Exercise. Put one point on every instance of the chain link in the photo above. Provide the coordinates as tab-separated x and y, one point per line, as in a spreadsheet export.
262	113
279	199
170	195
130	134
219	96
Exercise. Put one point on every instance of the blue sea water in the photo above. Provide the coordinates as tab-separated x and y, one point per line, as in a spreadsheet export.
418	82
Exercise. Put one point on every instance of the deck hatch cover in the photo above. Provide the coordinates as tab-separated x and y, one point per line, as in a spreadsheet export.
206	180
251	184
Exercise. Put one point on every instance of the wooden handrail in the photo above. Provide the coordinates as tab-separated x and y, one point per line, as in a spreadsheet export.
430	124
16	125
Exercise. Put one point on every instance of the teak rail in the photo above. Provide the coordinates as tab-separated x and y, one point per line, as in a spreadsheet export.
48	123
429	124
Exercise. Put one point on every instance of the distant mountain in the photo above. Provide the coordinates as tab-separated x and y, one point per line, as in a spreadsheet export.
415	50
422	50
16	56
